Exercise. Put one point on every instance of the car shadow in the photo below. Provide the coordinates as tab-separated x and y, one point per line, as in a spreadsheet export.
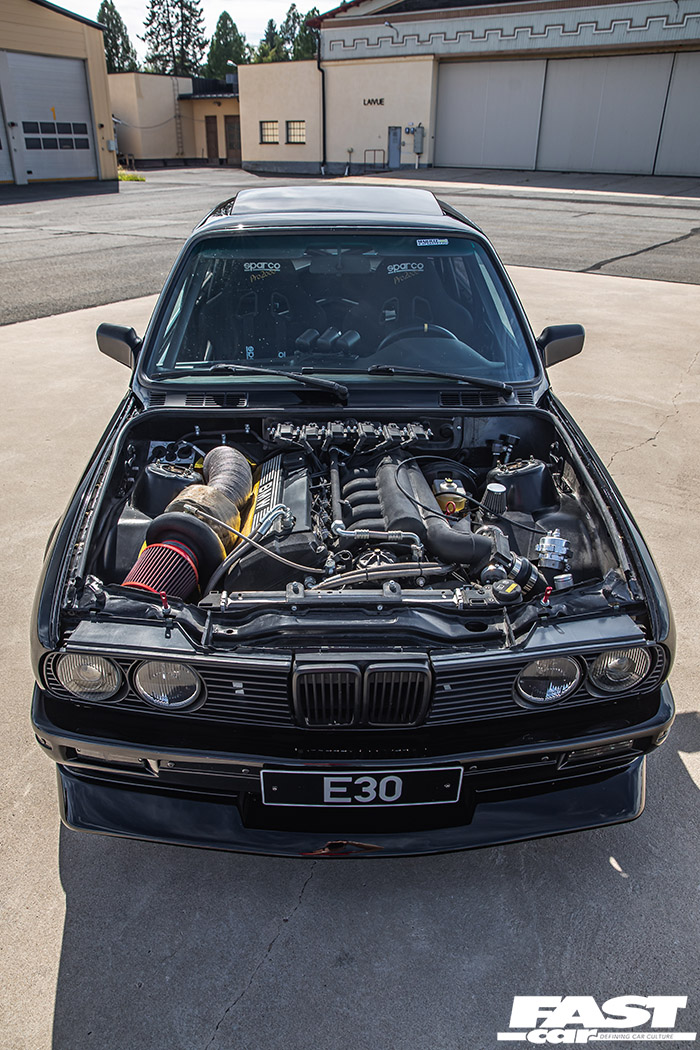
181	948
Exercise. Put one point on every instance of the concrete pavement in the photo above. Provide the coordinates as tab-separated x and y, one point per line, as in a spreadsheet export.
119	945
62	253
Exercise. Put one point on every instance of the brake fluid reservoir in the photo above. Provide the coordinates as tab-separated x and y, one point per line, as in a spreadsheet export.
451	495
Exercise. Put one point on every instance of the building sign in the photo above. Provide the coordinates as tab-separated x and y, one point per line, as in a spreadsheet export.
374	102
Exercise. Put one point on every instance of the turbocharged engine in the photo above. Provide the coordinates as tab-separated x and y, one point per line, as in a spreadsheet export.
335	511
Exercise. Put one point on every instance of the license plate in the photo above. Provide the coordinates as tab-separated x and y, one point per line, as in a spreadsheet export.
346	789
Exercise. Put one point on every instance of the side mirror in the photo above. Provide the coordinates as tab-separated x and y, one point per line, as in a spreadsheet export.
120	343
559	342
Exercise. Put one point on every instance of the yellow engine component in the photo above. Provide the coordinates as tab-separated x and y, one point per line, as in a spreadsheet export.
248	512
450	494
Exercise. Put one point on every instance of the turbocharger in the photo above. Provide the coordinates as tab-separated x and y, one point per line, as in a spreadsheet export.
183	544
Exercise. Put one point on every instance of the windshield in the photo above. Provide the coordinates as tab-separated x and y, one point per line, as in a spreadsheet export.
340	303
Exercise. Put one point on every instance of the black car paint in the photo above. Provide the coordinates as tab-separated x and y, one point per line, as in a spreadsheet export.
180	809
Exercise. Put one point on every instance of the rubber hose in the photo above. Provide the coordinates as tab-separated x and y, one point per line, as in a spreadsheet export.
455	544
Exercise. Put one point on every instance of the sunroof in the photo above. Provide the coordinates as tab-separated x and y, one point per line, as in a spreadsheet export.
392	199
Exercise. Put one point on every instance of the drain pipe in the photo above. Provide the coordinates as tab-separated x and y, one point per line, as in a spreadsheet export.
323	104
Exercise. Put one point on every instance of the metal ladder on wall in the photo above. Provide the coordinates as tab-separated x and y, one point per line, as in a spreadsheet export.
179	144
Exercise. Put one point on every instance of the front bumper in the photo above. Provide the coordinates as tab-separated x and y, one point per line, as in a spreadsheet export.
213	801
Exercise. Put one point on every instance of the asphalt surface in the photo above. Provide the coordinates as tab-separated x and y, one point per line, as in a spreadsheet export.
123	945
61	253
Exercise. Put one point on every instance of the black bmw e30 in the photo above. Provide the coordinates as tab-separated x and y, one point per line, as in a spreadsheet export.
343	577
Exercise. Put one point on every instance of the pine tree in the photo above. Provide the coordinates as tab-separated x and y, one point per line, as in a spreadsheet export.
160	25
290	28
271	47
175	37
227	44
306	41
119	51
298	40
271	35
191	40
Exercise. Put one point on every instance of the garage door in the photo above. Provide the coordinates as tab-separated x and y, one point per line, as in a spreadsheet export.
603	114
55	127
488	114
679	150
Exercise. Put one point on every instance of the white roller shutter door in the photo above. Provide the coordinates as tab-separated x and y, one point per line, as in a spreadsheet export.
679	150
603	114
633	114
488	114
55	129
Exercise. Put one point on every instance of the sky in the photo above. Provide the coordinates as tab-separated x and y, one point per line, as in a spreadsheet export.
251	16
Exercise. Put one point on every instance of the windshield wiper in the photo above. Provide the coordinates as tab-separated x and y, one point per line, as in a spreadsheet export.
231	369
488	384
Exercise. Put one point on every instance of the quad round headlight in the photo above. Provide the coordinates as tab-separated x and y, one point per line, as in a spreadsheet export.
619	669
167	685
547	680
88	677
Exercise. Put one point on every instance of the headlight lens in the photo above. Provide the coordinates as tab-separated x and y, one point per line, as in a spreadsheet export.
169	686
88	677
619	669
548	680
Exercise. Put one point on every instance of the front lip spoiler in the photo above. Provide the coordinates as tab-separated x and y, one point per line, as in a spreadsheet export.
130	811
151	811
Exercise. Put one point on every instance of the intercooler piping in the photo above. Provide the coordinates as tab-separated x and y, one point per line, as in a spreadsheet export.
453	544
409	505
408	501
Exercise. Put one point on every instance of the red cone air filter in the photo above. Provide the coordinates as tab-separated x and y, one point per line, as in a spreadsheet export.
165	567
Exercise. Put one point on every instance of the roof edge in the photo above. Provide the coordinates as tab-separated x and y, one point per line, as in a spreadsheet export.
69	14
317	21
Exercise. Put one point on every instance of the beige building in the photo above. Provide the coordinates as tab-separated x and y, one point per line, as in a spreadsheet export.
175	120
547	85
379	99
281	116
55	114
367	102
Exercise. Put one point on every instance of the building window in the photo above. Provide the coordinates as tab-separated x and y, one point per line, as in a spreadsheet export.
269	131
296	131
67	131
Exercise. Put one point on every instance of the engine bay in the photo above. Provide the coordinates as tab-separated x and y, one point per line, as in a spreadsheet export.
480	513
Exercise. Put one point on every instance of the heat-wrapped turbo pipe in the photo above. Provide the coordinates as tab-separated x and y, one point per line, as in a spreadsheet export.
227	469
229	483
